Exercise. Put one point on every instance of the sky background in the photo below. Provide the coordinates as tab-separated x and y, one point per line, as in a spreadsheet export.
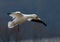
48	10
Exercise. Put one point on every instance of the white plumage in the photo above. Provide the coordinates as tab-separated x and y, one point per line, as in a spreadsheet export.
20	18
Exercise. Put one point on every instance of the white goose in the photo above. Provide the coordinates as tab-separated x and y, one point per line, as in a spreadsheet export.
19	18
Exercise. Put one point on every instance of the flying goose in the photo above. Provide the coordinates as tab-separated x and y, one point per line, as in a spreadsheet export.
19	18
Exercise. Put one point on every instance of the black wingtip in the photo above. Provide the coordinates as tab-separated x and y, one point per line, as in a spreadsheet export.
43	22
8	13
39	21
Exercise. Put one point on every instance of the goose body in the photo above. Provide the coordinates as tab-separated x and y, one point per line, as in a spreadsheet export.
19	18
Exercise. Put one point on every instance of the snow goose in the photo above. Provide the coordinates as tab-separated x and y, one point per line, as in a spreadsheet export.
19	18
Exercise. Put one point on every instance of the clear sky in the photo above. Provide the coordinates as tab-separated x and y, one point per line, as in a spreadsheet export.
48	10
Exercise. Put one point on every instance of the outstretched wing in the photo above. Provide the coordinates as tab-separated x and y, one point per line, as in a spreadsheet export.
39	21
15	15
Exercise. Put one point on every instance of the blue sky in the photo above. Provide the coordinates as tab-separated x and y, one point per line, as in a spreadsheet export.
48	10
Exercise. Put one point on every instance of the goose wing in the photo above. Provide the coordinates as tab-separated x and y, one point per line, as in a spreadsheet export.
15	15
39	21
